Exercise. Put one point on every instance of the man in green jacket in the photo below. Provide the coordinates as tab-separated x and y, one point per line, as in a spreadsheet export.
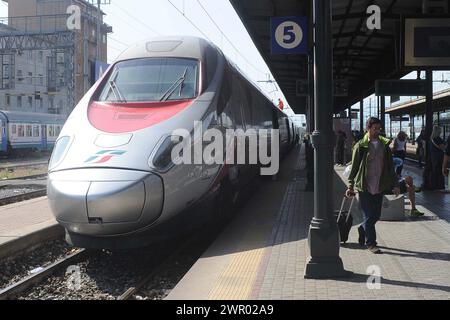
372	176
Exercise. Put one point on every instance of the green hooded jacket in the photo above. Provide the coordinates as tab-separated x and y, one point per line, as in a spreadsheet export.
357	177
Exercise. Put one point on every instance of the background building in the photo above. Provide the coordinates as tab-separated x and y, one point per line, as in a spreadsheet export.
46	64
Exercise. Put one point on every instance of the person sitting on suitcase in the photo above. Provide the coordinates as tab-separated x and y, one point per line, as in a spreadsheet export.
372	176
406	185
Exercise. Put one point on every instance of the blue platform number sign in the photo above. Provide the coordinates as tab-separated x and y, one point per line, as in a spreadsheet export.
289	35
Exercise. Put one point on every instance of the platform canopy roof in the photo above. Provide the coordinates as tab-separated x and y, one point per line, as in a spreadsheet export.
361	56
441	102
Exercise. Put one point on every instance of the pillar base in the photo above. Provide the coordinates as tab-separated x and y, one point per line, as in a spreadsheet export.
326	269
323	241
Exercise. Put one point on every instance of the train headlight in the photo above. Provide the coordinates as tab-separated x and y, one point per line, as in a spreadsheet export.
60	150
162	158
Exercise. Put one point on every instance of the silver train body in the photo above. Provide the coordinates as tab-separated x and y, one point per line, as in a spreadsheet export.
110	184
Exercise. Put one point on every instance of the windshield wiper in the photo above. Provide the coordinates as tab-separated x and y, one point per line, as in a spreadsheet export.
119	96
113	87
174	86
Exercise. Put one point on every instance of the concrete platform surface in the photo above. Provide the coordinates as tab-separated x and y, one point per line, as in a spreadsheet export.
21	224
263	252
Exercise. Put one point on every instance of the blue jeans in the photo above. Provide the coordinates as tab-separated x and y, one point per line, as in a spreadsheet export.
371	207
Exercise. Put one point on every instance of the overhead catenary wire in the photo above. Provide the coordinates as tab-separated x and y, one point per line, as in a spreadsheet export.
190	21
229	41
135	27
234	47
136	19
118	41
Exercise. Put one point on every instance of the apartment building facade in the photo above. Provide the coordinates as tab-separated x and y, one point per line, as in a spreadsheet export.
53	77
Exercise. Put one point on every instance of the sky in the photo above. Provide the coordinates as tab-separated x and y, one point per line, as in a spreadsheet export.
136	20
214	20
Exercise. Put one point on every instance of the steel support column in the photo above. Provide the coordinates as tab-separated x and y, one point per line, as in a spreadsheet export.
428	126
311	120
383	114
390	127
361	116
323	239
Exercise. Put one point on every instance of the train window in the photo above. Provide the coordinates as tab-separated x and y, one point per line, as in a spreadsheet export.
151	79
225	91
50	131
14	129
29	131
20	132
210	66
58	130
35	131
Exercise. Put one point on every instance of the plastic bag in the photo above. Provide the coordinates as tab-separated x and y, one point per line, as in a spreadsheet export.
347	171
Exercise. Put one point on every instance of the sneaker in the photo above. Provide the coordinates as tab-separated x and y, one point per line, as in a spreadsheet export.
374	249
361	236
416	213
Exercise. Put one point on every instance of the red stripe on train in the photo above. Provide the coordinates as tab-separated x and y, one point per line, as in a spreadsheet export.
129	117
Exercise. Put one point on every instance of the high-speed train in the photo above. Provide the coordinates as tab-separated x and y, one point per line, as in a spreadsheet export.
112	182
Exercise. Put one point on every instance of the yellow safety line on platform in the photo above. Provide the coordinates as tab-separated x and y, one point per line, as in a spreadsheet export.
237	280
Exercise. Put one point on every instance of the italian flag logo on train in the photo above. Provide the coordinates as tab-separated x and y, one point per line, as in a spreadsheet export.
104	156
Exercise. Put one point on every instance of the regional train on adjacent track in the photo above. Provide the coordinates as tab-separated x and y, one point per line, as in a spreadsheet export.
112	181
22	132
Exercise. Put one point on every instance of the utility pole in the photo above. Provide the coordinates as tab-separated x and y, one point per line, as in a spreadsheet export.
99	25
98	29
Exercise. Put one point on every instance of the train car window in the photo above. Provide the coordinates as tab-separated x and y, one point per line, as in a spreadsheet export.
14	129
58	130
235	98
246	102
29	131
225	92
35	131
151	79
20	132
210	66
50	130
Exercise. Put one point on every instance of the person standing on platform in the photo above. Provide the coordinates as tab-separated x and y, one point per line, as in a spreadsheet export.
446	157
340	147
280	104
420	151
400	150
437	147
372	176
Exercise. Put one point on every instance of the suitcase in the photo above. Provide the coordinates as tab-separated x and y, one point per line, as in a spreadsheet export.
344	220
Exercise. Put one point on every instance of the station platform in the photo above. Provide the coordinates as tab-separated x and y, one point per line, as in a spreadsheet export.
262	253
25	223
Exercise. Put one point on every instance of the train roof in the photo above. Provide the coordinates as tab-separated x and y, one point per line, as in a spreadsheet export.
177	47
31	117
171	46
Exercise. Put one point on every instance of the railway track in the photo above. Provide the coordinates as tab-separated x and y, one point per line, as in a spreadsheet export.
30	177
23	197
143	274
22	165
15	290
131	292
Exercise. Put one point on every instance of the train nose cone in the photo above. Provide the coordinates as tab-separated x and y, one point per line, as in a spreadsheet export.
115	202
105	201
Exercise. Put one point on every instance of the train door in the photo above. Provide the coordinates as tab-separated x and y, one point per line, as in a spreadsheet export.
3	137
44	137
288	126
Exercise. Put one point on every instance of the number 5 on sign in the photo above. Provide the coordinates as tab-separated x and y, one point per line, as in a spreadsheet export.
289	35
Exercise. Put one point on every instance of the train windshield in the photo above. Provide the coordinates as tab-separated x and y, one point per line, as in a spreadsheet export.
151	79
